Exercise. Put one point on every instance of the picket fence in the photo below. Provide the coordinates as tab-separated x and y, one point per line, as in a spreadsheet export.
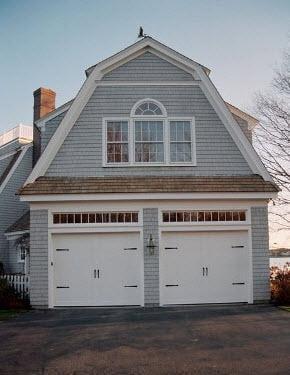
19	282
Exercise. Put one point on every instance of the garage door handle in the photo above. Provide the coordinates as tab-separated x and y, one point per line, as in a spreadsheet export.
203	271
96	273
206	271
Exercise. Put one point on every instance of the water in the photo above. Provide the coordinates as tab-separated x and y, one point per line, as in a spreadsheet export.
279	262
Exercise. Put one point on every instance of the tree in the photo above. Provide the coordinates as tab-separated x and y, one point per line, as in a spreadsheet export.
272	138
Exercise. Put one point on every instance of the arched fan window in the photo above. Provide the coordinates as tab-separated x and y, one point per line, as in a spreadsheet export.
148	109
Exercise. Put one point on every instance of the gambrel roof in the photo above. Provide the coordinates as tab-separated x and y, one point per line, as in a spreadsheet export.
200	76
115	56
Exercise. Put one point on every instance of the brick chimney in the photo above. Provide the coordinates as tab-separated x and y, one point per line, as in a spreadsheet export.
44	102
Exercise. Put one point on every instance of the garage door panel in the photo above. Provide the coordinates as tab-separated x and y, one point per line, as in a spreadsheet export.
72	286
179	274
227	261
208	267
101	269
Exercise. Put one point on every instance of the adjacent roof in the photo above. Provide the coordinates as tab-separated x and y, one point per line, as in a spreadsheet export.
252	121
95	185
9	166
21	225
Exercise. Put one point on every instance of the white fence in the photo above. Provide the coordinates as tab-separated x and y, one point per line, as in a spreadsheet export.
19	282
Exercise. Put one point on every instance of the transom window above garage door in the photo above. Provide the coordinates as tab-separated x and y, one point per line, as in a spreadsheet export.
203	216
148	137
95	218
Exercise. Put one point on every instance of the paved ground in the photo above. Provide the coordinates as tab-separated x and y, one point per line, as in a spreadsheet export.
183	340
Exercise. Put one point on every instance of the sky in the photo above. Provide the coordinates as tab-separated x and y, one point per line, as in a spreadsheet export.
51	43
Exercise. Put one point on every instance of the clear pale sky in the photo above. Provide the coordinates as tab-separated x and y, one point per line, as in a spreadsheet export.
50	43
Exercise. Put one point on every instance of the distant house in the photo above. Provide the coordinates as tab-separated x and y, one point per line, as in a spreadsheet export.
15	167
146	190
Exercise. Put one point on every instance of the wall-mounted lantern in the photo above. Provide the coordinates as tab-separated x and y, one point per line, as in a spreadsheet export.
151	246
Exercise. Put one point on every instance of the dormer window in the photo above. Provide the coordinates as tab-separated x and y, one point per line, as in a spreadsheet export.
148	137
148	109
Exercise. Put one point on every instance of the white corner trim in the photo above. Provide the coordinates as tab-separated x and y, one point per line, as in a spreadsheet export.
96	75
15	166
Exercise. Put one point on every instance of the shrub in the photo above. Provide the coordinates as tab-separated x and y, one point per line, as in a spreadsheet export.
9	298
280	285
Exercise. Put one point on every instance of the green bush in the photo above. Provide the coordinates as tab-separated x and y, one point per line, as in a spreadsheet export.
280	285
10	298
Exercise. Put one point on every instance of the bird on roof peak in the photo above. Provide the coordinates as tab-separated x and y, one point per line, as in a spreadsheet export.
141	33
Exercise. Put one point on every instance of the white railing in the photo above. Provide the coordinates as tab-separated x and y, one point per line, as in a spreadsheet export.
19	282
20	131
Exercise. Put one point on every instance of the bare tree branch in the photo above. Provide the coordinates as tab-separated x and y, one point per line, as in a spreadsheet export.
272	138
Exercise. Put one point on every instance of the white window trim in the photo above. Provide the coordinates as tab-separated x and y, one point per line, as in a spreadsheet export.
96	225
131	141
132	125
104	141
206	223
160	105
193	141
19	260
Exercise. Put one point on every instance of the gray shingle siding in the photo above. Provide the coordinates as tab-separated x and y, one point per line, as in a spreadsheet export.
49	129
260	246
39	258
148	67
10	206
81	152
4	163
151	262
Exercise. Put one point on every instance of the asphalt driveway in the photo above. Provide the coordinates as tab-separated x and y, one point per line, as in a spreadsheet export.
183	340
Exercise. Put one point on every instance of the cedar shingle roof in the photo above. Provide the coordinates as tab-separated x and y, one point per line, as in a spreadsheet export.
22	224
149	184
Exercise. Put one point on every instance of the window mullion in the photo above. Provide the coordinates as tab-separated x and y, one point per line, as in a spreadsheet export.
131	142
166	141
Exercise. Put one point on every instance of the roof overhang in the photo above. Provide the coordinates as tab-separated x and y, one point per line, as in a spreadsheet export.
145	196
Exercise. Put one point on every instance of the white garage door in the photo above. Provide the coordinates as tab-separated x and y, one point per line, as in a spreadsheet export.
204	267
97	269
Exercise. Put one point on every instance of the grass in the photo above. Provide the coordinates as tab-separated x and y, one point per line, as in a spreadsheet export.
8	314
286	308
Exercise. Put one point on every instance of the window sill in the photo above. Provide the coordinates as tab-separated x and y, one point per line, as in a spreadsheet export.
123	165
